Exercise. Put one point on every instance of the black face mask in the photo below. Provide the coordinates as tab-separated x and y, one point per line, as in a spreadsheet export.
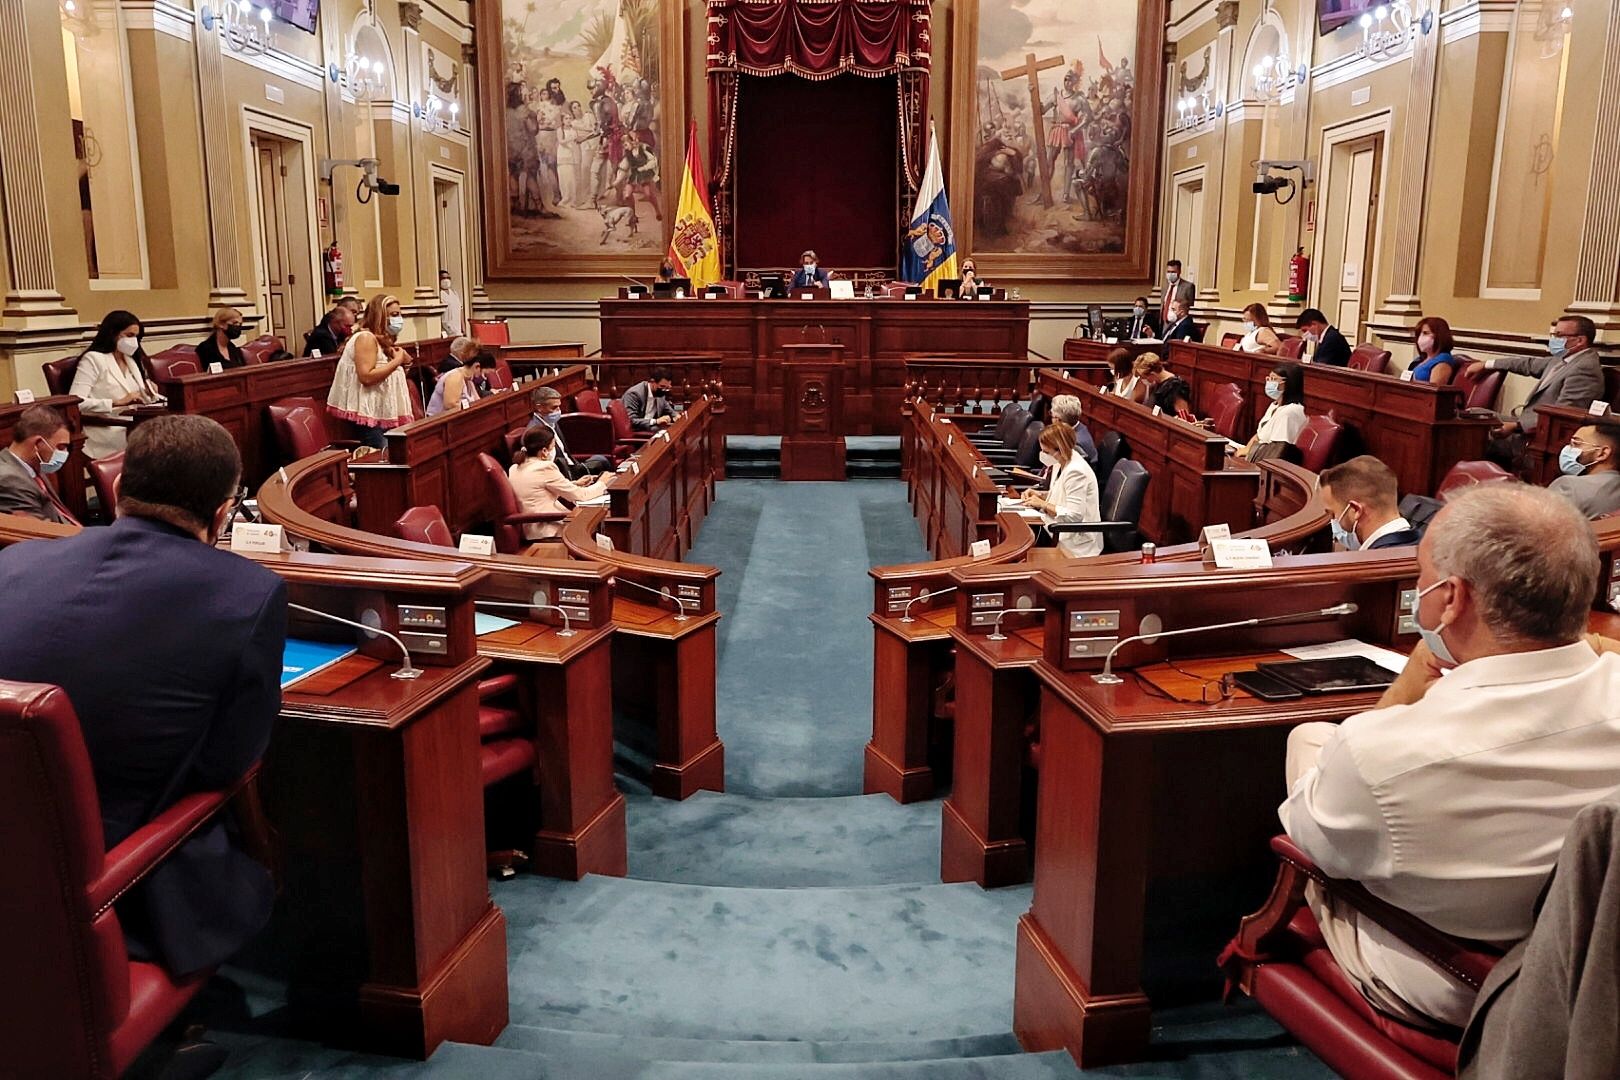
658	392
233	331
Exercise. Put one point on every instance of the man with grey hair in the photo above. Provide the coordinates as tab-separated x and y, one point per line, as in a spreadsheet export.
547	404
1450	800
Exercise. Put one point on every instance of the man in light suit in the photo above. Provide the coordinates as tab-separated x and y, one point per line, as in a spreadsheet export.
170	650
648	402
39	447
1570	374
809	275
1176	288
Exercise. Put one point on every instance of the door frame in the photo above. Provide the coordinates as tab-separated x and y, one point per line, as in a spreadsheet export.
1179	179
257	122
1376	123
437	172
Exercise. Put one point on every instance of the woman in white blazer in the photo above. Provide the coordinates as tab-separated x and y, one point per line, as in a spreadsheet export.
540	485
1285	417
109	379
1072	495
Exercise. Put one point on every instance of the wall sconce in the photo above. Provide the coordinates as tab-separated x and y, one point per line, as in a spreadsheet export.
363	74
434	115
1196	110
1274	76
1379	40
241	27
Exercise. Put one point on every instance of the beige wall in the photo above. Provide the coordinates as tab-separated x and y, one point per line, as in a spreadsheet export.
195	105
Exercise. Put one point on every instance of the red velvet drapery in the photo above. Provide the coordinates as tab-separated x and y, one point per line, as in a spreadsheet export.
815	39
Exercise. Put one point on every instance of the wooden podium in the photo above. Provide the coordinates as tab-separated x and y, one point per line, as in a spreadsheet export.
813	408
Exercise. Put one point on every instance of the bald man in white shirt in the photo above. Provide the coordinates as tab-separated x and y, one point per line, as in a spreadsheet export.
1451	799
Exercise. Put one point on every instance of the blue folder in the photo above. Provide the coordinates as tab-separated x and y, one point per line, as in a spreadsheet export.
303	658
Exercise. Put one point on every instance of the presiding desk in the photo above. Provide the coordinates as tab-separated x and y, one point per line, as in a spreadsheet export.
876	335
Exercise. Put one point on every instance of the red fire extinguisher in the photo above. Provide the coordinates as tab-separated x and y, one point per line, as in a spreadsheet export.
1299	275
332	265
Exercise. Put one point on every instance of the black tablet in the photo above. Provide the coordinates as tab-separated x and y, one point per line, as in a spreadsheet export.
1342	674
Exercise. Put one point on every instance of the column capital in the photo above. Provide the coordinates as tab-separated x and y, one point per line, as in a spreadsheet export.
410	15
1226	14
469	54
1170	52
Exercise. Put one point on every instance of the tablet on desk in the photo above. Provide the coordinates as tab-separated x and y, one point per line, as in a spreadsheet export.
1338	675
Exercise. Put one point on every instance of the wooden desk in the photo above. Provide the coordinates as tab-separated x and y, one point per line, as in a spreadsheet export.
655	509
237	397
1088	359
876	335
71	478
1410	426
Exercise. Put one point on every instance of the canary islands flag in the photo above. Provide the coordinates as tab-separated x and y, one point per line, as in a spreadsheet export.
928	252
694	247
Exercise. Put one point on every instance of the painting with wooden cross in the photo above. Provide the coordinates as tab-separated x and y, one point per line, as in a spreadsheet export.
1055	163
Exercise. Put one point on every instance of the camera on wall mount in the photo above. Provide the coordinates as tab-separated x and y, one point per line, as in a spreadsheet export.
370	182
1266	183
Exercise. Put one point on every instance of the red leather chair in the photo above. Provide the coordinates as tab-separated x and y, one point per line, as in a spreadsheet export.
177	360
1293	346
589	434
500	376
79	1006
509	517
626	439
257	350
490	331
1481	390
424	525
1279	959
300	428
1225	414
1465	474
1318	441
1230	341
59	374
1369	358
589	401
103	471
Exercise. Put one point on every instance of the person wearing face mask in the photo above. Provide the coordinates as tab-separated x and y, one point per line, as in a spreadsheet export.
39	448
540	485
1144	324
1284	418
1363	505
1180	326
1331	348
453	319
169	648
548	409
1450	799
1072	494
1570	374
1434	363
332	331
809	274
1176	287
369	388
648	402
220	346
111	380
1258	335
970	286
1590	462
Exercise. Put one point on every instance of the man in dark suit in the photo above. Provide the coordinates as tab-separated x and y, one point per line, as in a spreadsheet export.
1181	326
547	404
333	331
809	274
1331	348
1143	323
1362	496
39	447
648	402
170	650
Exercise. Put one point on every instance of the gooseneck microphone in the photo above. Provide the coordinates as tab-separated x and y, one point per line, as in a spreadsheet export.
407	669
665	594
1106	677
566	631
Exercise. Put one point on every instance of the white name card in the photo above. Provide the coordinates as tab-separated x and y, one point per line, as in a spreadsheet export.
910	296
314	352
979	548
1213	533
1598	408
949	439
473	544
662	435
261	538
1408	375
216	368
1241	554
604	541
635	468
23	397
1157	411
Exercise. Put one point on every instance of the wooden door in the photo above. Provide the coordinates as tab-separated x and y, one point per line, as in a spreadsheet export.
276	274
1354	285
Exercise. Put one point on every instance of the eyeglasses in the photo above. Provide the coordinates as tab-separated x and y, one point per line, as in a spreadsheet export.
1580	445
1210	691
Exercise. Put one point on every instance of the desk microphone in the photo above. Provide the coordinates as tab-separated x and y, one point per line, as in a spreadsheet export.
566	631
407	669
1107	677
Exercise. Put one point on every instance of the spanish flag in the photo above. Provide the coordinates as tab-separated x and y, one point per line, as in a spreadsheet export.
694	247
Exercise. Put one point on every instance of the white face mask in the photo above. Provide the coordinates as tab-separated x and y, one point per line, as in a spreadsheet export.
1048	460
444	284
1425	342
129	346
809	268
1172	277
1248	326
396	324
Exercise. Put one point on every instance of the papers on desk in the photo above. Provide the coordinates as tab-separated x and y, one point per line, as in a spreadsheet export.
1384	658
601	500
489	624
1013	506
301	659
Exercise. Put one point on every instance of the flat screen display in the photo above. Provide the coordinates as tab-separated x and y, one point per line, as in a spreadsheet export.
300	13
1332	14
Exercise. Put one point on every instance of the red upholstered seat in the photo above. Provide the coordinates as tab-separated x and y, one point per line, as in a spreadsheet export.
1481	390
587	435
1292	346
490	331
626	439
1370	358
1465	474
103	471
79	1007
504	759
1318	441
501	377
1230	341
588	401
424	525
300	425
508	515
1227	410
59	374
418	410
177	360
260	348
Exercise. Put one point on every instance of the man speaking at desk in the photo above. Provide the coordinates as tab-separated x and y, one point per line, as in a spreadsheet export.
809	275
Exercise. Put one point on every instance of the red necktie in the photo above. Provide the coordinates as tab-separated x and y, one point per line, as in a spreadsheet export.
50	493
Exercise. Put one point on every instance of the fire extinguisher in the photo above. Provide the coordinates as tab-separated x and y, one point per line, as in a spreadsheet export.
332	266
1299	275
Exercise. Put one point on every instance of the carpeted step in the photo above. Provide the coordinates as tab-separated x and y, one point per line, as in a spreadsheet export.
748	841
588	1045
619	955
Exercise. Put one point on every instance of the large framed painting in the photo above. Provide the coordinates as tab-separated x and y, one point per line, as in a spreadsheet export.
582	133
1055	165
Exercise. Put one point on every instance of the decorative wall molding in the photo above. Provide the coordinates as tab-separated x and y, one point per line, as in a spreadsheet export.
1181	26
279	64
1476	17
160	16
1351	67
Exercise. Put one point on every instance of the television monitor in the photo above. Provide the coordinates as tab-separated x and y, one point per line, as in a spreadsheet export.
1094	316
299	13
773	286
1332	14
949	287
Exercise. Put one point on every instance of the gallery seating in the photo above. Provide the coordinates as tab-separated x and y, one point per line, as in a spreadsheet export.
1318	442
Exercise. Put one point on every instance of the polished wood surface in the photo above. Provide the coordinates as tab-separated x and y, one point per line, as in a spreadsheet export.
1412	427
71	479
876	335
813	412
237	397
